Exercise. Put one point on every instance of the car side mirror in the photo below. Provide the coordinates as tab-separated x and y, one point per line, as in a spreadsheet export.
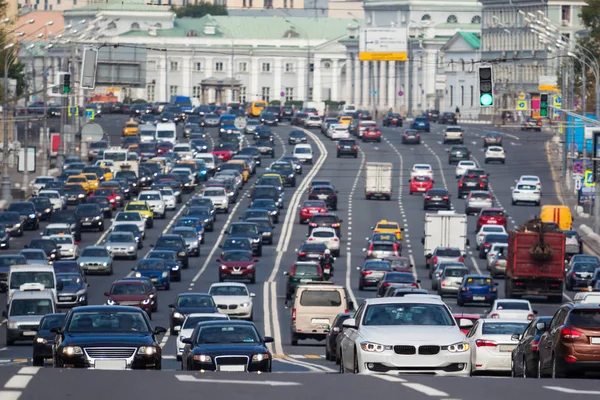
540	326
268	339
159	329
465	323
535	312
372	228
56	330
364	250
515	337
350	323
171	305
152	246
41	233
464	255
286	273
26	246
418	281
218	260
358	268
296	250
186	340
106	294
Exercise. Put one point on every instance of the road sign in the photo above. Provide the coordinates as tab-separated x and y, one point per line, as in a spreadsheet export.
92	132
521	96
240	123
578	167
521	105
282	94
573	146
30	159
588	179
557	101
73	112
90	114
383	44
400	93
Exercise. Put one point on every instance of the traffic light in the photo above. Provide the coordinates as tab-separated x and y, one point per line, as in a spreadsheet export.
544	105
66	83
486	88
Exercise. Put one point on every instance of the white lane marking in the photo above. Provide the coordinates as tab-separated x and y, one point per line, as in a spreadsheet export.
427	390
18	382
390	378
28	370
9	395
165	338
285	236
307	365
190	378
474	261
413	266
566	296
572	391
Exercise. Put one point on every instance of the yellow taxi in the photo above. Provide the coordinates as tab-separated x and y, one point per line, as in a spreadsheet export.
144	209
130	128
345	120
93	181
274	174
80	180
108	173
390	227
245	169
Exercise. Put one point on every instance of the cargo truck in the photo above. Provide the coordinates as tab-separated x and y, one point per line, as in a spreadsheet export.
378	180
444	229
535	273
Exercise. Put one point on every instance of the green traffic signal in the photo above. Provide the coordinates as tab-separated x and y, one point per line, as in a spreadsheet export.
543	112
486	99
66	89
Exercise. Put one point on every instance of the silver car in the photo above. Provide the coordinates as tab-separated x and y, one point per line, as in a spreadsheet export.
131	217
25	311
74	291
251	125
96	259
477	200
122	244
446	254
451	280
381	249
35	256
69	249
190	236
498	265
436	275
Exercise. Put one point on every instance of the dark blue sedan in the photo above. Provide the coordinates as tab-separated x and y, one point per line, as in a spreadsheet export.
420	124
155	269
477	289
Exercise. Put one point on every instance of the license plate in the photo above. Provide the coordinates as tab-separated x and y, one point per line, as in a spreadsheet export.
313	211
492	220
470	184
436	198
478	298
64	298
327	270
322	197
154	280
320	321
29	333
232	368
86	224
346	147
110	364
236	272
305	280
595	340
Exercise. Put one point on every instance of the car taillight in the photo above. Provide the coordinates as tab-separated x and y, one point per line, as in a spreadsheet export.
415	284
427	197
461	259
435	260
574	275
76	243
530	317
534	345
310	239
485	343
460	184
446	198
336	239
495	316
312	224
464	289
339	147
355	147
443	283
486	245
481	185
336	225
302	254
294	314
570	333
386	284
366	272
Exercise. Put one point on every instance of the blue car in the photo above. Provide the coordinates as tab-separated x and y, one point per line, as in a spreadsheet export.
477	289
420	124
171	261
202	170
269	205
193	222
156	270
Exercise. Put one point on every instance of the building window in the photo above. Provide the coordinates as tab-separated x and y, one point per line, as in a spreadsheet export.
311	67
310	94
174	66
219	66
244	3
151	65
135	26
291	3
243	67
150	93
266	93
451	95
221	3
289	94
266	67
196	92
268	3
289	67
250	3
476	20
472	95
462	95
452	19
173	90
198	66
284	3
566	13
426	17
243	94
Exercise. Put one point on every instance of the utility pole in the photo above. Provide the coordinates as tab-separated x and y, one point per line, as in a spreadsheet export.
44	137
64	105
410	78
6	186
166	75
564	120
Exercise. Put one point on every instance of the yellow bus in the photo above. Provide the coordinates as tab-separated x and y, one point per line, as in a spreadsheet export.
255	108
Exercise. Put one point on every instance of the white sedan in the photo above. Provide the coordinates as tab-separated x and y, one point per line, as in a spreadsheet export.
328	237
526	193
340	132
492	343
190	323
512	309
463	167
421	170
58	202
532	180
410	334
495	153
496	248
39	183
229	294
485	229
69	248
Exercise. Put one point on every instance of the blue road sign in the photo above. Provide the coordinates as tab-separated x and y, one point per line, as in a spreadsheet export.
588	179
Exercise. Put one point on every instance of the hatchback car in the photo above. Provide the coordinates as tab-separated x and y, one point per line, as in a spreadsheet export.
326	193
420	184
398	279
491	216
449	118
458	153
326	221
526	193
411	136
477	289
495	154
437	198
372	272
347	147
478	200
420	124
451	280
492	139
469	183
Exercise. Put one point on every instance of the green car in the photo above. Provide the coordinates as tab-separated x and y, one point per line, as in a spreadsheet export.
458	153
302	272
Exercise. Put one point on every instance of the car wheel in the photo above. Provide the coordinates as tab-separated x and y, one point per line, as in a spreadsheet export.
38	361
294	339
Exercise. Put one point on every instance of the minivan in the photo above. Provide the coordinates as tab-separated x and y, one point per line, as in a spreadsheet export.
166	132
304	153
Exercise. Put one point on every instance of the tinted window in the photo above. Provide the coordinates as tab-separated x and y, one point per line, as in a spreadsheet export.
448	253
408	314
303	269
478	282
21	307
492	213
325	219
382	247
191	322
53	321
320	298
503	328
377	266
455	272
224	334
195	301
585	318
517	305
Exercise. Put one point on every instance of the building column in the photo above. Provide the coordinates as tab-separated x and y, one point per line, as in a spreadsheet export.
336	77
391	83
317	85
347	94
300	91
364	97
355	86
186	72
277	79
254	91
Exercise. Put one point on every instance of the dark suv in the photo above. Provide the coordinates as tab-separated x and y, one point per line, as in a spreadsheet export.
482	175
392	119
174	243
347	147
458	153
448	118
468	183
248	230
326	221
90	216
29	216
327	193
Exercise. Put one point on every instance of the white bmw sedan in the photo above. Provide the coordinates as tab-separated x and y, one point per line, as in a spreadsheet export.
410	334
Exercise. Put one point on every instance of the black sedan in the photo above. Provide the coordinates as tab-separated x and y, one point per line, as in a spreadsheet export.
525	356
189	303
392	119
347	147
43	207
234	346
269	118
437	198
297	136
90	216
107	337
44	339
331	340
448	118
411	136
174	243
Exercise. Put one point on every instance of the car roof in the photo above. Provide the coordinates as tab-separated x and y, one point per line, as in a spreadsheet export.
402	300
225	284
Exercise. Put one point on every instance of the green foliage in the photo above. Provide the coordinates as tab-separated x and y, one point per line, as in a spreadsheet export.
200	10
590	15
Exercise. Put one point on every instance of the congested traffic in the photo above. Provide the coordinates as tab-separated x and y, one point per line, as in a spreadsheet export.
231	241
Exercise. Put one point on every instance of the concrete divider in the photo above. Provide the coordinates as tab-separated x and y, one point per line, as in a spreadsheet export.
589	237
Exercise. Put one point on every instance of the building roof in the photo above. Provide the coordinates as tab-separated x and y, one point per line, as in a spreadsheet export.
265	28
473	39
119	5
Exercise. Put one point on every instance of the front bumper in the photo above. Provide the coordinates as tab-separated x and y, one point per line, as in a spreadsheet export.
123	252
444	363
97	267
237	312
72	300
96	224
134	362
477	298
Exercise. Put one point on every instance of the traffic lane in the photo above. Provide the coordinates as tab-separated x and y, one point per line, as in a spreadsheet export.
357	218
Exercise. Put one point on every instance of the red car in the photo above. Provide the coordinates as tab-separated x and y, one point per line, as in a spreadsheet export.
164	147
420	184
130	293
372	134
460	317
310	208
111	194
223	154
237	264
399	264
491	216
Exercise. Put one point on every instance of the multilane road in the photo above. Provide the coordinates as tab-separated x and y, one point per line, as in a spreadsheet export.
526	154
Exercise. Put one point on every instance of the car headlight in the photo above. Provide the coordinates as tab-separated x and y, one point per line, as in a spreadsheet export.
202	358
111	302
374	347
17	225
81	195
41	340
131	248
273	212
250	266
260	357
175	268
47	210
177	315
257	240
81	264
72	350
105	264
146	301
32	215
165	274
457	347
181	254
147	350
138	274
71	250
290	176
244	305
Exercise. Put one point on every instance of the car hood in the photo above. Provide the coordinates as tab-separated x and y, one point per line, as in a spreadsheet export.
175	249
230	349
237	263
196	310
108	339
231	299
120	244
93	259
128	297
152	272
420	335
71	290
246	235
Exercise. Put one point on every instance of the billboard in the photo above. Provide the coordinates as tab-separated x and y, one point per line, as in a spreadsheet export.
88	68
383	44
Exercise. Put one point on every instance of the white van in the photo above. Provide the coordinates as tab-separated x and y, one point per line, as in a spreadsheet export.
587	297
348	108
147	133
21	276
209	160
166	132
303	152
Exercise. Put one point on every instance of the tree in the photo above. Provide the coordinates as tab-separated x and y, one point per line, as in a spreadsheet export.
200	10
590	16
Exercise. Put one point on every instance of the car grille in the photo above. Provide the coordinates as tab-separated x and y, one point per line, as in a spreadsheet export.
110	352
225	306
67	299
231	360
429	350
93	264
28	327
119	249
405	350
129	303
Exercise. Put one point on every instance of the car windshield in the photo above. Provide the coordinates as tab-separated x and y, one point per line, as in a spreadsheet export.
237	244
513	305
313	248
63	240
136	207
478	281
302	150
382	247
108	322
227	334
22	277
7	261
408	314
128	288
492	213
228	291
69	280
51	321
388	226
320	298
584	267
21	207
455	272
448	253
149	264
323	234
493	229
304	269
191	322
168	242
325	219
33	255
186	233
242	229
119	237
22	307
214	192
585	318
421	178
399	278
132	216
503	328
94	253
237	256
165	134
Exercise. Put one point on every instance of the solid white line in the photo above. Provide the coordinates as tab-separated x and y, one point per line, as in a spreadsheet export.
18	382
268	331
414	266
474	261
165	338
429	391
309	366
389	378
